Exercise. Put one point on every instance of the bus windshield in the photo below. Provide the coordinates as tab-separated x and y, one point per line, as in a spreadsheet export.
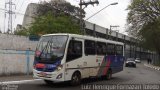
51	48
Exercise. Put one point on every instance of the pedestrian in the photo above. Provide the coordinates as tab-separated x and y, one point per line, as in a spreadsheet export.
148	60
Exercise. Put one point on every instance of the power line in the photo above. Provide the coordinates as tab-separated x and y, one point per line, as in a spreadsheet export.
19	8
21	5
9	5
18	13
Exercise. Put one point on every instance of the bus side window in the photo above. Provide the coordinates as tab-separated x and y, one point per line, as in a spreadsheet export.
110	49
90	47
119	50
74	50
101	48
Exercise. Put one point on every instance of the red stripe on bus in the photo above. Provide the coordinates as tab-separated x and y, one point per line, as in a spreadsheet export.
40	65
107	66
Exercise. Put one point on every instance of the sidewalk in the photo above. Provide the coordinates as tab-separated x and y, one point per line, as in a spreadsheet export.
152	66
15	78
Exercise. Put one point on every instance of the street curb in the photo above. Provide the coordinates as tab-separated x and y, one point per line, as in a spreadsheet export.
19	82
153	67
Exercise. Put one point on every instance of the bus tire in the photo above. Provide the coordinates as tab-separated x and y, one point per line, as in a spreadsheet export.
76	79
48	82
109	74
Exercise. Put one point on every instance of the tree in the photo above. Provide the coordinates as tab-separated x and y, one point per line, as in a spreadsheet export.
23	32
50	24
144	22
57	6
56	16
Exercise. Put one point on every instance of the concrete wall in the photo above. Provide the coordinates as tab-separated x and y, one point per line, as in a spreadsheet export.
13	57
11	64
16	42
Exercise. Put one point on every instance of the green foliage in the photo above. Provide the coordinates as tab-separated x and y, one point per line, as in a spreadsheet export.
54	17
144	22
23	32
49	23
151	35
58	6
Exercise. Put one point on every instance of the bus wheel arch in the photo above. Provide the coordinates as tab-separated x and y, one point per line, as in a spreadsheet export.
76	78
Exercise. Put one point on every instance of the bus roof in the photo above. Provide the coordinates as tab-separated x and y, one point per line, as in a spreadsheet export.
86	37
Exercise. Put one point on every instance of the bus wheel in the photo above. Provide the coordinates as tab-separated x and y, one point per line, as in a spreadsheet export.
48	82
76	79
109	75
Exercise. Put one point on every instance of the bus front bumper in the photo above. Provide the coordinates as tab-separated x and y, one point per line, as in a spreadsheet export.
52	76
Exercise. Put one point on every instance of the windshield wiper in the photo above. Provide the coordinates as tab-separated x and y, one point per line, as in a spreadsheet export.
44	48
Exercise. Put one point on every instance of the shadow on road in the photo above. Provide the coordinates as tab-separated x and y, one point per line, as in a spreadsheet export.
67	84
84	82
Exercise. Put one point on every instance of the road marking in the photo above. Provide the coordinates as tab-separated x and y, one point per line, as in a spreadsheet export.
19	82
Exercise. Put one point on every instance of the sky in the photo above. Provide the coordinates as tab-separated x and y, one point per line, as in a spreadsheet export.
113	15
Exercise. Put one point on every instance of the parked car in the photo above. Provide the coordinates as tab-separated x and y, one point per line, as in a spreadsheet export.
138	60
130	62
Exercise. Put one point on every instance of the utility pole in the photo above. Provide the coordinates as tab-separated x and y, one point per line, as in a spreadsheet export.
114	30
9	5
83	3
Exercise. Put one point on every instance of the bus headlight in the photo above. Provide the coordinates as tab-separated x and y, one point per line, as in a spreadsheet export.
59	67
59	76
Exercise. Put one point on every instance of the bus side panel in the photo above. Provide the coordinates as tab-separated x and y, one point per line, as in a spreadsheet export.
117	64
113	62
92	65
105	65
76	65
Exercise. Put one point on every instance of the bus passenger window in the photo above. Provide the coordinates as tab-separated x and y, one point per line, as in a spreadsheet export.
74	50
110	49
101	48
90	47
119	50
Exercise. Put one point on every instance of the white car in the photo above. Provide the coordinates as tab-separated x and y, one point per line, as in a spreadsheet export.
138	60
130	62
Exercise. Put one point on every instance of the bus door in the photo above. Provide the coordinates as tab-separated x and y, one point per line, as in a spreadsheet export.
75	58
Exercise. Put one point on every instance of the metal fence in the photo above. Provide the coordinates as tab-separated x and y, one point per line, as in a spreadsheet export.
132	49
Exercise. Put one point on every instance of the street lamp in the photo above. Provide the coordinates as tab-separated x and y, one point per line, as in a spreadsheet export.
115	3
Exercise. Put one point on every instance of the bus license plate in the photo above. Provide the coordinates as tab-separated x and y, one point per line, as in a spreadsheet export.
43	74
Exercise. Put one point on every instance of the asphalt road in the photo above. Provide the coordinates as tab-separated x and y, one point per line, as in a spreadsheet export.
140	75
